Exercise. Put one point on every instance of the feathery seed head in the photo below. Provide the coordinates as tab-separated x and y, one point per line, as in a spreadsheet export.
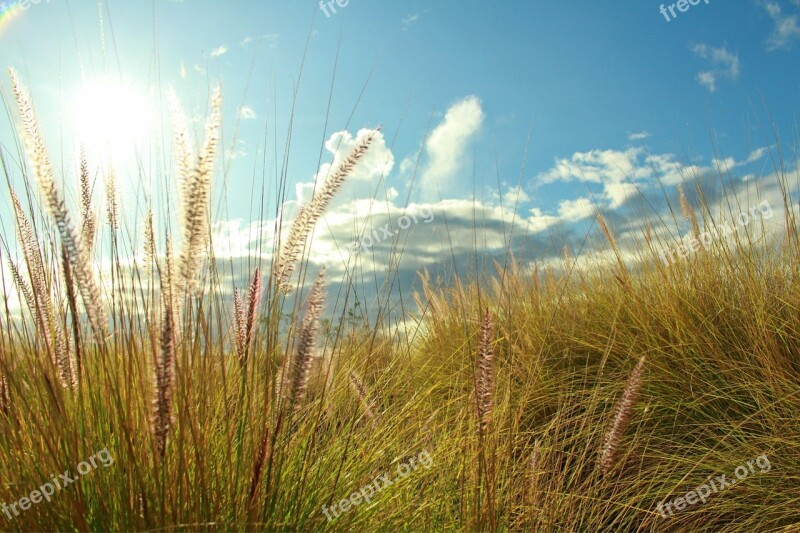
299	369
308	216
88	218
613	438
54	202
164	373
238	324
485	382
253	301
195	200
364	396
688	212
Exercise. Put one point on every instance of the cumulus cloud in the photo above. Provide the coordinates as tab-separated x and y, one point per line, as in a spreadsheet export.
615	170
620	173
573	210
596	166
515	195
234	238
724	65
618	193
219	51
375	164
476	230
447	145
625	174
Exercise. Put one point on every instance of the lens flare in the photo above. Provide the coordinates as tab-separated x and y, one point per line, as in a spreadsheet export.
8	13
111	119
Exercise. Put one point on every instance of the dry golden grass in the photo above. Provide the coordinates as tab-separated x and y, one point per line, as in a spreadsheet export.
220	419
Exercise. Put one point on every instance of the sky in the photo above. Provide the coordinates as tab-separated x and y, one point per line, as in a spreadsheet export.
511	122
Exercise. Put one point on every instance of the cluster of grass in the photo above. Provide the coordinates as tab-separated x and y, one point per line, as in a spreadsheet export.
560	399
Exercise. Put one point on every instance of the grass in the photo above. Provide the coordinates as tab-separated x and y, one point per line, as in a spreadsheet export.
548	399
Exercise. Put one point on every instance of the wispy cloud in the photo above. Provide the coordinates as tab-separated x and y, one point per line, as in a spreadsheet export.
786	30
724	65
758	153
238	150
219	51
271	39
409	20
640	136
247	113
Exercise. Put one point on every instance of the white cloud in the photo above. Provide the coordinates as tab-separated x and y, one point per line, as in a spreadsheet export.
219	51
618	193
514	196
376	163
724	165
621	173
728	163
786	30
758	153
458	224
669	171
232	238
574	210
640	136
270	38
409	20
447	146
595	166
247	113
238	150
724	65
707	80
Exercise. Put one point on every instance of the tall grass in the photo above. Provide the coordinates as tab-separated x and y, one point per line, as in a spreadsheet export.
220	419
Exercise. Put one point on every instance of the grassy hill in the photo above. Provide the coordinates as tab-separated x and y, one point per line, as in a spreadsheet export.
633	394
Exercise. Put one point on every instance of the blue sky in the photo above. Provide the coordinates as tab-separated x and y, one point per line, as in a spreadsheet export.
617	100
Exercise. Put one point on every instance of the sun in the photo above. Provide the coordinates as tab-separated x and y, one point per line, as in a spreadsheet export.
112	120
